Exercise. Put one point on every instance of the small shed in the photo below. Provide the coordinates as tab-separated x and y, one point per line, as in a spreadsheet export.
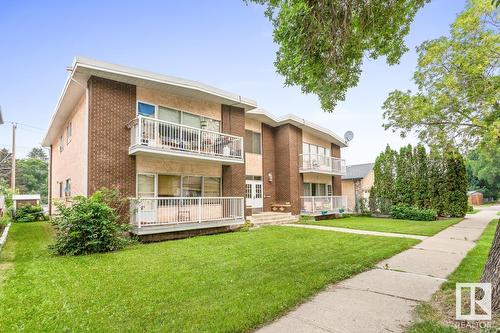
475	198
19	200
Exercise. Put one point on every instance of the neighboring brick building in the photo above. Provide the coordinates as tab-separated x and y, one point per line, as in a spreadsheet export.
193	156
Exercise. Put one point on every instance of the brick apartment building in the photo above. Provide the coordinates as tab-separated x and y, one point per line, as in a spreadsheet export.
190	156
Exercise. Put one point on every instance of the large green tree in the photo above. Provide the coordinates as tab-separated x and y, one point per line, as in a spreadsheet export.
421	177
32	173
456	184
458	87
483	171
405	177
322	43
383	193
437	185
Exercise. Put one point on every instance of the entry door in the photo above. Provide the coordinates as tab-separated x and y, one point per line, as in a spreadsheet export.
254	193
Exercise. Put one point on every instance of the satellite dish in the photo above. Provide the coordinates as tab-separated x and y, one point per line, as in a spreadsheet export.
348	136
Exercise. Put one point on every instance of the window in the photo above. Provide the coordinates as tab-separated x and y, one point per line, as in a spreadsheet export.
248	191
314	150
61	143
145	185
210	124
211	187
317	190
177	186
61	191
253	177
191	186
192	120
69	132
147	110
252	142
169	186
170	115
67	188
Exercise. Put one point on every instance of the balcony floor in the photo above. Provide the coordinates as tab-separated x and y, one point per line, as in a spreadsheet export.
181	155
157	229
321	172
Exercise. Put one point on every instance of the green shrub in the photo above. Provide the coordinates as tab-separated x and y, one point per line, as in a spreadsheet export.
470	209
29	213
88	225
405	212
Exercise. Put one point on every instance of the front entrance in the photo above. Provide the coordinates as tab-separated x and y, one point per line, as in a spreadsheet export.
253	194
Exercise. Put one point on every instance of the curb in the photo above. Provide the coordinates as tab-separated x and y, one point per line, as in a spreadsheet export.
3	238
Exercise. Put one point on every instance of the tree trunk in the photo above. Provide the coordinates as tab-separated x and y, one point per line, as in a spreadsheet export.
491	272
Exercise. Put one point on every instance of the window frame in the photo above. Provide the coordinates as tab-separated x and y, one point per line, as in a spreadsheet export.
328	189
69	132
182	112
253	135
61	143
326	151
67	188
155	183
156	177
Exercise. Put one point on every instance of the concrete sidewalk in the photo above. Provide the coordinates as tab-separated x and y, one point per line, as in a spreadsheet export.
356	231
382	299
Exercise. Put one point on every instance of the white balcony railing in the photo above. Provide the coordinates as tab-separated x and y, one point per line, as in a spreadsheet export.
171	138
323	205
322	164
183	210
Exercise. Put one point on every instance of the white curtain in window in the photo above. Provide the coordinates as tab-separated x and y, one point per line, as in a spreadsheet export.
146	185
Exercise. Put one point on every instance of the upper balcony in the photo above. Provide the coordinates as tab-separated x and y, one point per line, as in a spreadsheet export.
159	137
315	163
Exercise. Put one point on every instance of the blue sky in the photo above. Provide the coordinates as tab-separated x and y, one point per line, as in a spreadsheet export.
223	43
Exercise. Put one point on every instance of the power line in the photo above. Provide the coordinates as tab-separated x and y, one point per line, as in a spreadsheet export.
27	125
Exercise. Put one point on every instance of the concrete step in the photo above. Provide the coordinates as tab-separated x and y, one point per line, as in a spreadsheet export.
272	218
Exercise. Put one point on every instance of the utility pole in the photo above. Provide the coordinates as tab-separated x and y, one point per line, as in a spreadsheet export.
13	171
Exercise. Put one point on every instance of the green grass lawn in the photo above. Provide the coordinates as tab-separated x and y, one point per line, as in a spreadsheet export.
227	282
433	315
422	228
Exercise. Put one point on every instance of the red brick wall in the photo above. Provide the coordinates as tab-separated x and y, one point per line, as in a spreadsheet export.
233	176
268	166
336	180
288	181
112	105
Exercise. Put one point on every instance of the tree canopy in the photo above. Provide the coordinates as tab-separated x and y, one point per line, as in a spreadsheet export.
457	81
32	173
322	43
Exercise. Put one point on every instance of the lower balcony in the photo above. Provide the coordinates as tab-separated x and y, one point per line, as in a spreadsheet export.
323	205
158	137
159	215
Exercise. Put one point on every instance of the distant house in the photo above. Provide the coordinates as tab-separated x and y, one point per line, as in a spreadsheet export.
475	198
357	183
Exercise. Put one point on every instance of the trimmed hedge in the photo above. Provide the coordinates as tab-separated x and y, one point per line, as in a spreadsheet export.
405	212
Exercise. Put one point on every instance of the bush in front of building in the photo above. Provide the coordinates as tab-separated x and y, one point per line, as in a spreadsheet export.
29	213
406	212
88	225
